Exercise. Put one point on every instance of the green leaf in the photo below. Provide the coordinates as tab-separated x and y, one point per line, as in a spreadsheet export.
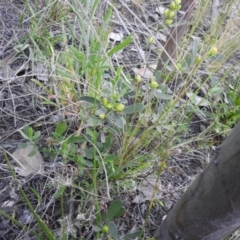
163	88
91	133
137	107
32	153
121	45
25	132
77	140
36	194
160	202
118	120
24	135
101	111
22	145
160	27
88	99
117	77
113	232
37	135
48	102
196	41
40	222
61	128
128	164
96	228
219	57
30	132
237	102
21	20
60	191
163	95
133	235
157	75
120	213
89	153
93	122
130	94
87	163
21	47
109	142
113	210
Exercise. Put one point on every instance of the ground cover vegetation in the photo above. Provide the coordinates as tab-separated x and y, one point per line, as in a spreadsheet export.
107	137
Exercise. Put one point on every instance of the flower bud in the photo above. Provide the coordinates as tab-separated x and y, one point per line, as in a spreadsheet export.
213	51
104	101
102	116
151	40
109	106
178	2
172	6
138	79
168	22
105	229
171	14
153	84
118	107
166	11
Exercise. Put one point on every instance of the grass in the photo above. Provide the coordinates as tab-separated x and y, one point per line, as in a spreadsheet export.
112	126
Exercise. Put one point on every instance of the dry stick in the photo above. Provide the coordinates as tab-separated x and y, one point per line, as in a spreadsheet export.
214	9
170	49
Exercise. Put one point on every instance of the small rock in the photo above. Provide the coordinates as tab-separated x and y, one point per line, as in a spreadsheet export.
26	164
167	205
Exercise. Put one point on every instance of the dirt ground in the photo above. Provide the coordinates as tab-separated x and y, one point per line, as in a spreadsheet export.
20	105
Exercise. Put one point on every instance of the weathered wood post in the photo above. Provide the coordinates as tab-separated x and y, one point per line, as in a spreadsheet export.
210	208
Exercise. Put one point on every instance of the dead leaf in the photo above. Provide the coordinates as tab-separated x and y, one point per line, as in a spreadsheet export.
160	10
8	203
116	37
161	37
26	164
143	72
146	190
198	101
139	51
6	71
26	217
41	72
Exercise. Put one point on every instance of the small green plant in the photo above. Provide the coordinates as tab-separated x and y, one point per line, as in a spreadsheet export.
32	137
109	228
40	25
28	134
66	146
230	108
